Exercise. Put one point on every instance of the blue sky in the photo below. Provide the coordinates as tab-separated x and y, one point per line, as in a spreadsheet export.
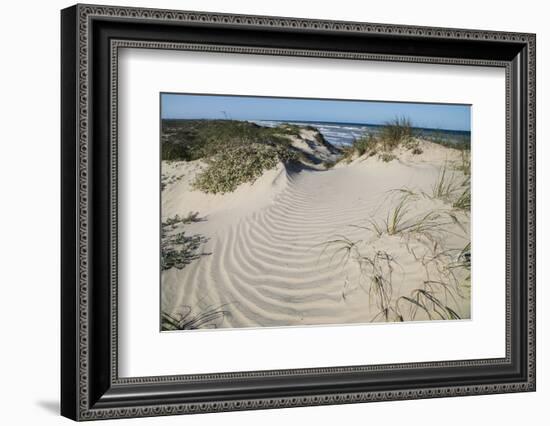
436	116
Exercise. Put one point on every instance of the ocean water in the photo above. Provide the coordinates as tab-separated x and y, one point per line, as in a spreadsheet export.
343	134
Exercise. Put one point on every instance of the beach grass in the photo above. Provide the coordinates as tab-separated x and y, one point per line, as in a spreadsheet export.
465	164
396	132
366	144
447	270
379	269
446	185
452	188
393	134
401	219
464	201
430	303
187	319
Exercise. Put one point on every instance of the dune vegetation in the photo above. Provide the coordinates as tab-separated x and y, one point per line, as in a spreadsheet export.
190	140
420	223
393	134
229	168
187	319
396	133
177	248
234	152
293	230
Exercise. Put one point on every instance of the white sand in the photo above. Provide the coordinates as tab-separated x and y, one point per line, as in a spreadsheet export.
266	258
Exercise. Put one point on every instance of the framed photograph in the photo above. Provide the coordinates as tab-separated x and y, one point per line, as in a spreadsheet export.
263	212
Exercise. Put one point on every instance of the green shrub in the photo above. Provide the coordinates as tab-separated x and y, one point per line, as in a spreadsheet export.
290	129
172	151
231	167
177	248
190	140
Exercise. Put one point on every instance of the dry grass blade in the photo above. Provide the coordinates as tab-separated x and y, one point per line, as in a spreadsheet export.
395	219
399	130
464	201
416	304
209	318
446	185
379	270
343	245
431	304
425	228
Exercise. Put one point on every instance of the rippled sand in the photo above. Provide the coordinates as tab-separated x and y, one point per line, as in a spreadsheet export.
266	259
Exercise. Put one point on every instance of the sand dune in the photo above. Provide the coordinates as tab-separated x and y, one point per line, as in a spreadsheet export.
267	257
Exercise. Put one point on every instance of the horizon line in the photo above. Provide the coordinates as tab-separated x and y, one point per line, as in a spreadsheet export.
315	121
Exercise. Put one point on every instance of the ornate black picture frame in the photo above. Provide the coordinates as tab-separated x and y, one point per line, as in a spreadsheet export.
91	387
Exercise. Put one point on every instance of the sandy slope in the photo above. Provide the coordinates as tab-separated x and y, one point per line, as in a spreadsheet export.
267	259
